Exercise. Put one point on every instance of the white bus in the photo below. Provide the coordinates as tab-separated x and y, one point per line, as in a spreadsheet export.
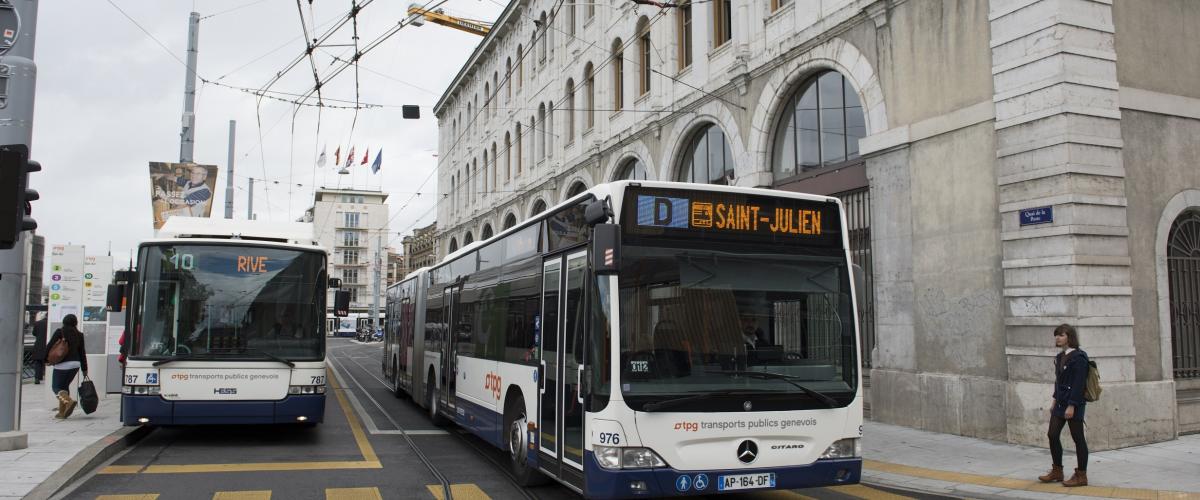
647	339
228	325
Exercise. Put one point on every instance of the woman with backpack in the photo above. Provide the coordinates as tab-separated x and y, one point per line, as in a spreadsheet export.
1067	406
67	359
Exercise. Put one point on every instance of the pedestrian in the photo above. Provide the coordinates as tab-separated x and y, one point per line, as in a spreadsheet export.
72	363
1067	406
39	350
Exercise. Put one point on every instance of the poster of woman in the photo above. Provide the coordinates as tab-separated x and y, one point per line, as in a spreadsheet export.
181	189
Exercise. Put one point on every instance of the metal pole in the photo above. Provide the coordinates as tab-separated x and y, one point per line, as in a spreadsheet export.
229	172
188	135
250	201
16	116
375	288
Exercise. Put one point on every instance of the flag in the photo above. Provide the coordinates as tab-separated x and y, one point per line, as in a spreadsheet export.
365	154
349	157
321	159
378	162
337	156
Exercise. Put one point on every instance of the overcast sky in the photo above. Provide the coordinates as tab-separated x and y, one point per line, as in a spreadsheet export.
110	99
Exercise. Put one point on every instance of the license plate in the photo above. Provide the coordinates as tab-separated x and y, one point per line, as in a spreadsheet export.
746	481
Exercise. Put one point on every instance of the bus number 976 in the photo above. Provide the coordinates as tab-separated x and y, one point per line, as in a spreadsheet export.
610	438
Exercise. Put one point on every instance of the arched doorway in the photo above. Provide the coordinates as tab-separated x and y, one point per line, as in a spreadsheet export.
707	158
487	231
453	245
510	221
1183	278
468	239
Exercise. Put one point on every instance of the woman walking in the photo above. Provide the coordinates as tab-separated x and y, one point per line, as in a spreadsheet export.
1067	407
66	368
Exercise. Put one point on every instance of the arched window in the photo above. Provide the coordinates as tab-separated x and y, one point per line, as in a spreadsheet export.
1183	278
453	245
589	94
483	179
549	129
534	124
496	87
510	221
820	125
632	170
508	79
487	101
520	69
467	124
453	196
495	168
487	231
468	239
538	207
618	66
683	33
707	159
545	36
571	17
576	188
517	155
570	125
472	182
643	30
507	156
541	138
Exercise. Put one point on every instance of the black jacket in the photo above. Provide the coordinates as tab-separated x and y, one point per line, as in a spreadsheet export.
1070	379
75	350
39	339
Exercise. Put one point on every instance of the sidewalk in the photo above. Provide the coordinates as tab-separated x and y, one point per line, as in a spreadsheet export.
960	466
58	449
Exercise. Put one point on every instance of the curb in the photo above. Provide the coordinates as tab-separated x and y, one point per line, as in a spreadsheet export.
88	459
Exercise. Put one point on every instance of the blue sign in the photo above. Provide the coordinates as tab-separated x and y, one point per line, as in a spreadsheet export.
662	211
152	378
701	482
1039	215
683	483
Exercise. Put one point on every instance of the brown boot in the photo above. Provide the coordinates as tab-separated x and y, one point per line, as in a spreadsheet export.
1079	478
63	399
1055	475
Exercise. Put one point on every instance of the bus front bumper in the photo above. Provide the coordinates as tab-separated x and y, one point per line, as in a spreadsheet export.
637	483
154	410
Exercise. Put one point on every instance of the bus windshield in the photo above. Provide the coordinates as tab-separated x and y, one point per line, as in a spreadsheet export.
230	302
773	331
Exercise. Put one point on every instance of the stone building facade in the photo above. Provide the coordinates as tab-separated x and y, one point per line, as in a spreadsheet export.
352	225
947	127
420	249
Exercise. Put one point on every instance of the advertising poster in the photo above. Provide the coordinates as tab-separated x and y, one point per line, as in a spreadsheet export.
66	282
184	189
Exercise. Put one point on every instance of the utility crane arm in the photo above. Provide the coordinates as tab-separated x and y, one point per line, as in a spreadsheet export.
418	16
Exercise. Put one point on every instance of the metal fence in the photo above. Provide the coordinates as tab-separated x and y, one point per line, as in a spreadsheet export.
1183	271
858	221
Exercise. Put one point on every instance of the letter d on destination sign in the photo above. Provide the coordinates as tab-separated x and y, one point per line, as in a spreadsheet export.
662	211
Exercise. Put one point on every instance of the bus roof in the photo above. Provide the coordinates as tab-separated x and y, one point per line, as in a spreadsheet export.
243	231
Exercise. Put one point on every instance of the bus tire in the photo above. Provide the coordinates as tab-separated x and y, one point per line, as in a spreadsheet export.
515	432
432	400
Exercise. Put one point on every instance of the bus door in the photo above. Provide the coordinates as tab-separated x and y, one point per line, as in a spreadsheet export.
450	346
562	347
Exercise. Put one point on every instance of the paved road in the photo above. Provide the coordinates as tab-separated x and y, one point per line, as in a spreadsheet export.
360	452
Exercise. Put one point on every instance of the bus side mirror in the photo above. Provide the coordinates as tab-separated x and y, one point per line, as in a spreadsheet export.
860	285
606	249
116	298
596	211
341	303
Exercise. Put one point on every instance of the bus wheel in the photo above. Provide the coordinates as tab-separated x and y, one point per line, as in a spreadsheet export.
431	398
518	446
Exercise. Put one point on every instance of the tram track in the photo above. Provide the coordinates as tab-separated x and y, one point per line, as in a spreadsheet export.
457	433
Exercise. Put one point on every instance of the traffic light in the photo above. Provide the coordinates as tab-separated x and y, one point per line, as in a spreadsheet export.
15	194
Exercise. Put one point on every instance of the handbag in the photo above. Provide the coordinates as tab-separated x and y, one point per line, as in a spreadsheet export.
57	352
88	400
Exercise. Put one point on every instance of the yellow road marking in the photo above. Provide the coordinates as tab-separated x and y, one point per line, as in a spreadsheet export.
370	459
352	494
144	496
1009	483
860	491
459	492
242	495
783	494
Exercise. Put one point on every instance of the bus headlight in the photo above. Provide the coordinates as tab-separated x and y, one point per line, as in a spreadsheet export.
140	390
844	448
306	389
614	457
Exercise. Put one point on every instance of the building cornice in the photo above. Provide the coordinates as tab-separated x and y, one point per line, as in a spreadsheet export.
498	30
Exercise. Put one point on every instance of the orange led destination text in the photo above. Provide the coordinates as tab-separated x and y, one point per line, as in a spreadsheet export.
249	264
740	217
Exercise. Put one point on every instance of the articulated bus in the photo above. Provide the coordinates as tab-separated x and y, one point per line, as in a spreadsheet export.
647	339
228	325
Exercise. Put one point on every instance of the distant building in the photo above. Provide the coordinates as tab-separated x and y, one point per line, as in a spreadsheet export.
35	250
395	266
348	222
419	249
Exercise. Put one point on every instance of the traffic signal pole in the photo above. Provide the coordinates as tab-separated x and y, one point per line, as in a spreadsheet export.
18	19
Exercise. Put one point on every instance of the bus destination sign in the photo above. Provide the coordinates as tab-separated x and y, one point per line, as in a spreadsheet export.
732	214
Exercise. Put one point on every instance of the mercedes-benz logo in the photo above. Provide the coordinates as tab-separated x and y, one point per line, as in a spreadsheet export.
747	406
747	451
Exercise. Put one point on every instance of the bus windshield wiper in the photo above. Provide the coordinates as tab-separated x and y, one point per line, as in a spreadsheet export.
272	357
822	397
673	402
178	357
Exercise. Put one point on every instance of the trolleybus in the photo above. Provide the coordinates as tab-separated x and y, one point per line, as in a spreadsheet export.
228	325
647	339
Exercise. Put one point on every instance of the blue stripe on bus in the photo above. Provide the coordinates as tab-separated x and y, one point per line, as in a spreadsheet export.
604	483
163	412
483	422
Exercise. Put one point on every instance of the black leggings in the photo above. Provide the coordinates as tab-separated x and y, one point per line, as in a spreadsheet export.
1056	449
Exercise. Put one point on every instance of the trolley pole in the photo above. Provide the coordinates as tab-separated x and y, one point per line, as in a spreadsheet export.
187	137
375	287
229	172
18	22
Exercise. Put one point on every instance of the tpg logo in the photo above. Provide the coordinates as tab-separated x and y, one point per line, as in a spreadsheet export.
492	382
226	391
687	426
